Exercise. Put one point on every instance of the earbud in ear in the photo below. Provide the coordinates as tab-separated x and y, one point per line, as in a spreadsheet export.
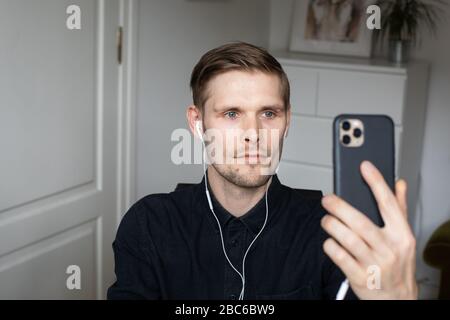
198	126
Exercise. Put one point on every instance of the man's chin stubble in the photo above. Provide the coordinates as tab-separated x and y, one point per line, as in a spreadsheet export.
238	177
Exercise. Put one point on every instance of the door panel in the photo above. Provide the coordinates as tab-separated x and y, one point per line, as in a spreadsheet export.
38	271
48	100
58	144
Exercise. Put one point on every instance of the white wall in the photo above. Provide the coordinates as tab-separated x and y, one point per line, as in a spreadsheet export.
172	36
435	170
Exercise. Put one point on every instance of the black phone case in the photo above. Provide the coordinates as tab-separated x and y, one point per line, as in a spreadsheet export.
378	148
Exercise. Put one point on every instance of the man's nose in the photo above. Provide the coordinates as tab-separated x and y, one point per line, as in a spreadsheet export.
251	131
254	138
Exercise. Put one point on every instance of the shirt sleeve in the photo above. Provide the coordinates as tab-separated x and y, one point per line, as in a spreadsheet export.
135	276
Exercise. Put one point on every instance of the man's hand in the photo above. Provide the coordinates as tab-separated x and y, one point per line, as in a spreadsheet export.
358	246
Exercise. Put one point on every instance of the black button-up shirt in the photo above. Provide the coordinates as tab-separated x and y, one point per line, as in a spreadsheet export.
168	246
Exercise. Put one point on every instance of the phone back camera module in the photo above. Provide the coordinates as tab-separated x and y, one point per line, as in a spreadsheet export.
351	133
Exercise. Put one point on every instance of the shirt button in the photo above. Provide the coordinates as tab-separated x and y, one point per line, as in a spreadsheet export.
234	242
232	297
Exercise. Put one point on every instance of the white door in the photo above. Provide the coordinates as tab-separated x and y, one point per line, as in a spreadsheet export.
58	148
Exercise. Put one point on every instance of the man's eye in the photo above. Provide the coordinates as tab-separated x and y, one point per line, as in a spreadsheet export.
269	114
231	114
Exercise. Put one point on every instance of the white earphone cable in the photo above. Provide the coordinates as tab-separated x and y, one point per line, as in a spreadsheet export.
241	275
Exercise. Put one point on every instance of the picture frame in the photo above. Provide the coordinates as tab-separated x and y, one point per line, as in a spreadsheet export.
336	27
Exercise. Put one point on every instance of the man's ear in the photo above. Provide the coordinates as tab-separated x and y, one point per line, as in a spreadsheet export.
193	114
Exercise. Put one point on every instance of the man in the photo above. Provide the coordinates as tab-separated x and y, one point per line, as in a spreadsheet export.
256	238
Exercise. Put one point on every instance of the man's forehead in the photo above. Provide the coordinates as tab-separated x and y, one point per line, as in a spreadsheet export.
237	78
243	89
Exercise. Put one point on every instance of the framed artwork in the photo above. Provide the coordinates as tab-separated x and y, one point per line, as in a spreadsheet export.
331	27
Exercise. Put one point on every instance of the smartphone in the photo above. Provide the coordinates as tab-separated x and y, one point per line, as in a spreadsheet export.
356	138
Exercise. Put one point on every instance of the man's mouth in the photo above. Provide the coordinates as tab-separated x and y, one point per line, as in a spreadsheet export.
252	158
251	155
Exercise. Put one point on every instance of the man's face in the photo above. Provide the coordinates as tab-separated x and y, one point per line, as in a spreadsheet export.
248	119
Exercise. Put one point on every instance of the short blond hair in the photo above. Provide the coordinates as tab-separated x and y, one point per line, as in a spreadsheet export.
235	56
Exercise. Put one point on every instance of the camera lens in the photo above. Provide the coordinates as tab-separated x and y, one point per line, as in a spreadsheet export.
346	139
357	133
345	125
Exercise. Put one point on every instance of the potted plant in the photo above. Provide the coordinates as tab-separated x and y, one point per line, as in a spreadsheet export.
400	23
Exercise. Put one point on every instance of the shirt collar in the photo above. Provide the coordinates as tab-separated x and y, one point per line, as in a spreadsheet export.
252	219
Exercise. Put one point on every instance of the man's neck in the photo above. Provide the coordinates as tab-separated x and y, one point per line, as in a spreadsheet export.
235	199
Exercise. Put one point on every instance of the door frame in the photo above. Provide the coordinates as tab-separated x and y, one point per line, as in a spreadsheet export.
127	96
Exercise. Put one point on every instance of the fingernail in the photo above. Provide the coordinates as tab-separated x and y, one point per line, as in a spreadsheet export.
326	199
367	165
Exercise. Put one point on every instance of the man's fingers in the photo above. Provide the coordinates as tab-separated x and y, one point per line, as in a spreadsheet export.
352	270
387	202
348	239
401	195
356	221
